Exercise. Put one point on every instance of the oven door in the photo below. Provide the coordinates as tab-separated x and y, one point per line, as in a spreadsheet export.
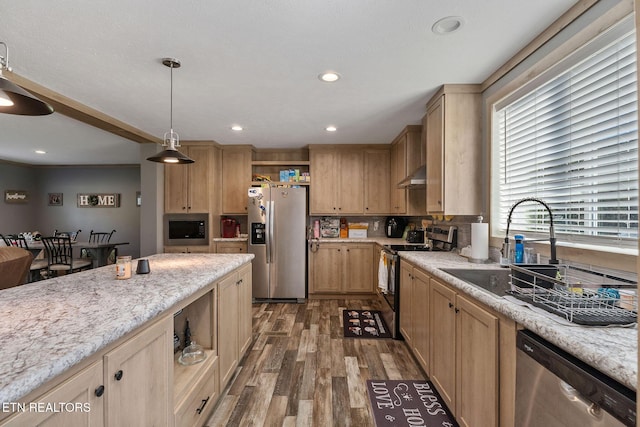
389	299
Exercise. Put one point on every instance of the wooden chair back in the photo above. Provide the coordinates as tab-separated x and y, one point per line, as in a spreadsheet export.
100	237
72	234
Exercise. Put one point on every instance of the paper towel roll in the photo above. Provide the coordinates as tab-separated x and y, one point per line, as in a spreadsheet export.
480	241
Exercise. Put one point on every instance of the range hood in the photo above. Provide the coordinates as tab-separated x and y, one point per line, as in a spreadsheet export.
416	179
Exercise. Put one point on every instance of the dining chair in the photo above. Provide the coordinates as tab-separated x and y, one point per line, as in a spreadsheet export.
7	239
60	255
98	237
72	234
38	265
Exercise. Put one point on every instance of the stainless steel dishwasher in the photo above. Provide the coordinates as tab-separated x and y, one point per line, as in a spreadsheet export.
555	389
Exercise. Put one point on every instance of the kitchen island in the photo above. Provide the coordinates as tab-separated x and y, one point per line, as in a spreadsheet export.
60	325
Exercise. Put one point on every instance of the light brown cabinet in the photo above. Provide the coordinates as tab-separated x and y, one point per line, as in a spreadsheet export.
234	316
188	187
414	311
231	247
464	356
138	378
454	151
377	189
236	179
85	390
337	181
202	249
406	157
341	268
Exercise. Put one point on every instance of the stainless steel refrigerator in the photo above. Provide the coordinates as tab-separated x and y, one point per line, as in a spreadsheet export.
277	238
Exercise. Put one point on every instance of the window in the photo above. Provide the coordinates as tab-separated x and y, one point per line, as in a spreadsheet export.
571	141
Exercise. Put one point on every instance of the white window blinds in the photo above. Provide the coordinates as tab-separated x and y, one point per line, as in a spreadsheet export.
572	142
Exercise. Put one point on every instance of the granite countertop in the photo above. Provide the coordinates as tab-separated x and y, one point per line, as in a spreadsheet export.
49	326
612	350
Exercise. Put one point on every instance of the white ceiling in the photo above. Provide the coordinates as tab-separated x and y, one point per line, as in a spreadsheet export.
248	62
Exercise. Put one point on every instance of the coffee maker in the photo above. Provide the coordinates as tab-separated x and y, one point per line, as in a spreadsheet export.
394	226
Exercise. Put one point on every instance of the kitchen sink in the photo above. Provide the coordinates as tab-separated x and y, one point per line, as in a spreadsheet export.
494	280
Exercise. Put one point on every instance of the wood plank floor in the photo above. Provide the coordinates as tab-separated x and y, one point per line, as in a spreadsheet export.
300	371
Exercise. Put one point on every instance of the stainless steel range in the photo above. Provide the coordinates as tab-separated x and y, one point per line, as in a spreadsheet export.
437	239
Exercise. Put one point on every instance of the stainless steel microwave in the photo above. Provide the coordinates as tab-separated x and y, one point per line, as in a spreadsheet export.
186	229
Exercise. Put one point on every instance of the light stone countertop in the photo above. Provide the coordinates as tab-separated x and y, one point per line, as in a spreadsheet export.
49	326
611	350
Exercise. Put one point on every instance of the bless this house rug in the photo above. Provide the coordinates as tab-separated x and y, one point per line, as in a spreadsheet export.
364	324
407	403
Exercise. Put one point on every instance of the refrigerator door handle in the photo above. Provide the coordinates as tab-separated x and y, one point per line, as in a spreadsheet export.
267	233
272	217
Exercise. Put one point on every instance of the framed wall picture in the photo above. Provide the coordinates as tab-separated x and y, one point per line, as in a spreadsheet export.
55	199
16	196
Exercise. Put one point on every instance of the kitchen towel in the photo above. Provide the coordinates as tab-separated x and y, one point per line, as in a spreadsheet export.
480	241
407	403
383	273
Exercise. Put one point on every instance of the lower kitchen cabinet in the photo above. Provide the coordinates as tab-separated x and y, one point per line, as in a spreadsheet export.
234	316
231	247
200	249
341	268
414	311
84	390
138	378
464	356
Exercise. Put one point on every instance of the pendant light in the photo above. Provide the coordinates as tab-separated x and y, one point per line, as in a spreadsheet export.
171	139
14	99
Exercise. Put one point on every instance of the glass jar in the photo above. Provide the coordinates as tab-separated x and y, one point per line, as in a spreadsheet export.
123	267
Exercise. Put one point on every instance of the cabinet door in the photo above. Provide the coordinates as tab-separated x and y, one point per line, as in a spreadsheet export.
244	309
236	180
351	185
79	390
377	190
420	317
326	268
139	380
435	157
406	290
227	328
442	327
358	263
231	247
324	184
175	188
476	365
198	181
398	173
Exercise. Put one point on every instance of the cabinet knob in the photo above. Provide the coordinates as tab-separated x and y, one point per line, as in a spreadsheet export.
100	390
450	305
347	250
184	207
188	207
457	310
118	375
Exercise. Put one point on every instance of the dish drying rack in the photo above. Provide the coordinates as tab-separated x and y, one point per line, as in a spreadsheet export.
580	296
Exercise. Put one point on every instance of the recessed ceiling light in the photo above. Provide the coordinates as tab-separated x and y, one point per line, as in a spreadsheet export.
448	25
329	76
236	128
41	152
331	128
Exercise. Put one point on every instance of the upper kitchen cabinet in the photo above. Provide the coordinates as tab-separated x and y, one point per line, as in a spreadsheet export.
338	179
236	179
187	188
454	151
377	168
406	157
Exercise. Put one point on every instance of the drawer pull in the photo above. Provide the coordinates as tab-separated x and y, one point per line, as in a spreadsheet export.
202	405
118	375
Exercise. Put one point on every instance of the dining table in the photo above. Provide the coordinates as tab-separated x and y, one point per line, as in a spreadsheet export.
98	252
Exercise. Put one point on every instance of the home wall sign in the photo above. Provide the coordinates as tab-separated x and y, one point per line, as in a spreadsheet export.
98	200
16	196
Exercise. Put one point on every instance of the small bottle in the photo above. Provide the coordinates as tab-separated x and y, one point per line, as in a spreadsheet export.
237	230
123	267
187	334
519	249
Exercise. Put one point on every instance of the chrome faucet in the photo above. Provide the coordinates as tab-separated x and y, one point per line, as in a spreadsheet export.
552	235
